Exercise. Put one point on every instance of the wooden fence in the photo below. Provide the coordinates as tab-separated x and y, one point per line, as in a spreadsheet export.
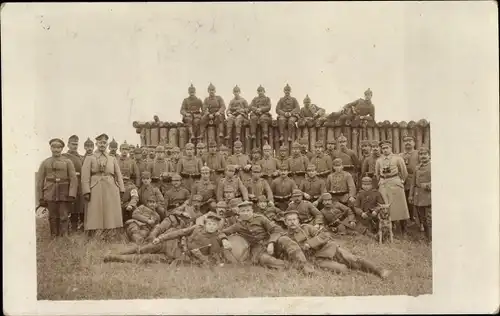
176	134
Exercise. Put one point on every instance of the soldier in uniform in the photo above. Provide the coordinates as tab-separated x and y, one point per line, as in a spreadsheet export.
177	195
262	235
89	148
206	189
288	110
152	153
390	169
57	188
282	188
176	156
330	148
241	161
259	113
189	167
366	206
341	184
366	151
256	156
168	151
269	164
231	179
267	208
410	157
304	145
76	211
420	191
128	167
213	111
308	213
113	148
129	200
191	112
311	112
141	163
283	156
258	186
349	158
323	251
144	218
237	113
224	152
297	164
145	153
215	162
312	186
362	108
323	163
147	189
201	151
159	166
337	217
368	167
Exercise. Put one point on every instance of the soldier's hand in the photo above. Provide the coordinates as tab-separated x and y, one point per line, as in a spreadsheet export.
307	196
270	249
352	224
364	215
151	222
410	199
315	203
247	167
86	196
271	203
43	203
129	208
287	114
352	199
226	244
317	226
156	241
374	213
307	246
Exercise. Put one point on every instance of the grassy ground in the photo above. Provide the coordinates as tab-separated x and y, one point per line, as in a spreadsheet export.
71	268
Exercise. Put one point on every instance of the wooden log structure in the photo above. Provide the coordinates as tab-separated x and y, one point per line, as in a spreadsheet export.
153	132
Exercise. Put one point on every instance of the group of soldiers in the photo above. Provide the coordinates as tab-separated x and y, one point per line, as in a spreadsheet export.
199	115
288	209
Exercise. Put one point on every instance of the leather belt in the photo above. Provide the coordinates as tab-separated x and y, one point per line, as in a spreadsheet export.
389	177
57	180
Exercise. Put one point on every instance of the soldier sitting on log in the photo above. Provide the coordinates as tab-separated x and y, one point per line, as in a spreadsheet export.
144	218
191	112
297	164
322	161
214	110
237	113
288	110
282	188
189	167
259	113
231	179
269	164
312	186
311	113
361	108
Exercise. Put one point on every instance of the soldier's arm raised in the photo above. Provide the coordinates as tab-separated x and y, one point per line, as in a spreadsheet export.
318	216
73	180
351	185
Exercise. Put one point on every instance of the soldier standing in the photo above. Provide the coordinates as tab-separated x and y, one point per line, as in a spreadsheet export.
330	148
269	164
237	113
341	184
159	166
113	148
76	211
128	167
215	162
201	151
57	188
308	213
410	157
191	112
420	191
147	190
288	110
368	168
231	180
256	156
312	186
283	156
297	164
312	113
89	148
282	188
366	151
176	156
349	158
139	161
241	161
258	186
189	167
213	112
206	189
323	163
224	152
259	113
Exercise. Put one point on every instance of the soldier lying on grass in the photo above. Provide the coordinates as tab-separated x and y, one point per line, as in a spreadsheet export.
144	218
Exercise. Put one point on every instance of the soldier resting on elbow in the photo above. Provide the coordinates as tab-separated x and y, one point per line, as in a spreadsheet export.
144	218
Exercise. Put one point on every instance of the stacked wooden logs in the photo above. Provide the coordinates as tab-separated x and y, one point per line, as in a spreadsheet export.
155	132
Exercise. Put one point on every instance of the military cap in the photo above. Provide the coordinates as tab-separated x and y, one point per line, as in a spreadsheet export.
256	150
176	177
330	141
367	180
326	196
131	147
168	146
385	142
151	197
423	149
228	188
176	149
296	145
245	203
297	192
319	144
105	137
221	204
290	212
191	88
211	87
205	168
73	139
365	142
197	197
212	143
113	144
284	166
223	148
341	137
287	87
256	168
307	99
262	198
368	91
237	144
124	145
266	147
374	143
146	175
137	150
283	148
311	167
236	89
160	149
214	217
337	162
189	145
200	145
88	142
261	88
408	137
55	141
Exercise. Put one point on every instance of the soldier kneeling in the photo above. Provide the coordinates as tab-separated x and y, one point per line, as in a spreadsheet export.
144	218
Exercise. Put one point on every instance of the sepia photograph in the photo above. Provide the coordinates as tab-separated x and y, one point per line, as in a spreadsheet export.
248	150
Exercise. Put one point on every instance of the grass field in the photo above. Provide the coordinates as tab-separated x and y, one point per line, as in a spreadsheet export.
71	268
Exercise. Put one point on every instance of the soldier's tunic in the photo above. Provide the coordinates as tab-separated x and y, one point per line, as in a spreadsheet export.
307	212
323	163
391	171
420	190
368	169
129	198
240	160
297	166
273	213
57	183
189	168
269	166
260	187
176	197
309	113
129	169
315	187
360	107
237	114
206	189
239	188
137	228
282	190
263	117
283	161
157	167
146	191
191	109
366	202
338	216
411	162
341	185
350	161
288	104
102	178
142	165
77	207
217	164
212	105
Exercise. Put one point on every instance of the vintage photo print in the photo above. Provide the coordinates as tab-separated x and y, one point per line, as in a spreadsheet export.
246	158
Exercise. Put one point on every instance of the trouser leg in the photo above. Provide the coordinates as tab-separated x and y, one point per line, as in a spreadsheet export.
357	263
64	209
230	123
53	208
281	127
253	125
271	262
159	229
295	253
332	266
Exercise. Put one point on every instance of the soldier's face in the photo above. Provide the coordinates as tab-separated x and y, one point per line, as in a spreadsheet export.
267	153
366	186
211	226
262	205
211	92
212	149
423	157
283	173
296	198
307	103
376	150
237	150
327	202
176	154
337	168
225	153
261	93
124	152
319	149
296	151
152	153
229	195
229	173
205	174
386	150
283	153
409	143
220	210
287	92
368	96
245	213
192	93
151	205
256	175
146	181
236	94
56	149
73	146
138	156
189	151
196	204
176	183
256	156
103	144
292	221
160	154
330	146
311	173
89	149
365	148
343	143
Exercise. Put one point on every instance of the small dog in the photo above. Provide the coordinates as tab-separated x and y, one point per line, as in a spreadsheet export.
384	222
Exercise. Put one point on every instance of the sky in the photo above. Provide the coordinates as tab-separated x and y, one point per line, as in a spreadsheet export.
98	67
